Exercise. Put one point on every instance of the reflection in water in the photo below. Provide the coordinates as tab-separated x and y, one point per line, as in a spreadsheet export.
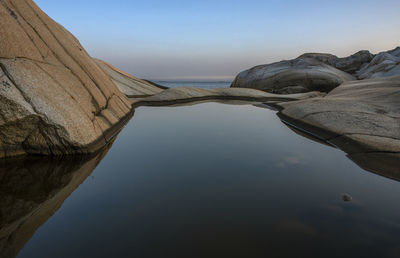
208	180
384	164
32	189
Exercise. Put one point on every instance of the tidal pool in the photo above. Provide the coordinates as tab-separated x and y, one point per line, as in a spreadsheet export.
217	180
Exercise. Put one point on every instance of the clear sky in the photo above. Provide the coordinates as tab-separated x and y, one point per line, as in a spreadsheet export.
161	39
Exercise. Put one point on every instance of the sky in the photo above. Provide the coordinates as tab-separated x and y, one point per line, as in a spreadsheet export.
216	39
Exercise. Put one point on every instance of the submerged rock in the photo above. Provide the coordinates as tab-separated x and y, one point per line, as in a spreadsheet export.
303	74
54	99
347	198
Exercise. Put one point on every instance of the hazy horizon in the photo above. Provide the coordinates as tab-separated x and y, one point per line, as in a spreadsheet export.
175	40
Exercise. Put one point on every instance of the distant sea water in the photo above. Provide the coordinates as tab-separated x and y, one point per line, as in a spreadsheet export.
196	84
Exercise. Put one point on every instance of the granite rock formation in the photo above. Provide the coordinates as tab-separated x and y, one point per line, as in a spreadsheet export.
189	94
54	98
385	64
350	64
303	74
319	71
131	86
358	116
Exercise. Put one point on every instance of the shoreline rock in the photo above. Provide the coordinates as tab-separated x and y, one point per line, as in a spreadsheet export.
358	116
54	99
189	94
294	76
131	86
319	71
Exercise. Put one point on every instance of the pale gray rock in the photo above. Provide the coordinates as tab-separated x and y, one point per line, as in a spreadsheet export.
295	76
395	52
189	94
385	64
350	64
128	84
358	116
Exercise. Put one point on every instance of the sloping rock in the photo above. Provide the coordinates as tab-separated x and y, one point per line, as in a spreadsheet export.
350	64
189	94
294	76
128	84
358	116
54	99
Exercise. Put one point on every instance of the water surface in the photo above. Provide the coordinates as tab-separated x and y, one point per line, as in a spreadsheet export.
215	180
196	84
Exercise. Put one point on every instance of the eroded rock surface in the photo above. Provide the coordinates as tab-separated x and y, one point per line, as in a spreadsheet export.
350	64
319	71
385	64
358	116
54	99
303	74
128	84
189	94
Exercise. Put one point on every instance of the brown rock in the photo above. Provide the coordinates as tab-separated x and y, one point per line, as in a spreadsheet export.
54	98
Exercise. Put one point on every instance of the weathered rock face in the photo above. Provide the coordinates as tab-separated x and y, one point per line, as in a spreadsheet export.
131	86
54	99
384	64
295	76
188	94
318	71
350	64
358	116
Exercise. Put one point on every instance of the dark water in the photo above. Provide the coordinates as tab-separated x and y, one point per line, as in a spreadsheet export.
196	84
214	180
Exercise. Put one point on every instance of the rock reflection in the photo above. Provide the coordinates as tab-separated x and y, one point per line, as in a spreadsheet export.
381	163
32	189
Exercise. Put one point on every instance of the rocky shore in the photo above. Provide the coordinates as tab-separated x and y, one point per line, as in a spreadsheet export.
55	99
360	113
319	71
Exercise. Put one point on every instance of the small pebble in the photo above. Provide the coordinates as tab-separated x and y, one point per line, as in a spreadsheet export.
347	198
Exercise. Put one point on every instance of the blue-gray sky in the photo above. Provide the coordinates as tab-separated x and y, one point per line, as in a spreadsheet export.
203	39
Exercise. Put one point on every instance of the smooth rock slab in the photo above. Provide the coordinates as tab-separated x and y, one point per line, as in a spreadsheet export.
128	84
293	76
358	116
189	94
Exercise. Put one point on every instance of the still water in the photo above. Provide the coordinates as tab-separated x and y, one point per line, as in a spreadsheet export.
196	84
217	180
